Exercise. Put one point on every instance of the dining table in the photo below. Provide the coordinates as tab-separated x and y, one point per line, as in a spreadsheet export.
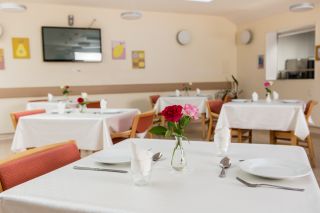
198	188
280	115
198	101
50	106
91	129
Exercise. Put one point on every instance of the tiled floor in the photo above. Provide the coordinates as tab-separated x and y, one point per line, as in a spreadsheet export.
194	133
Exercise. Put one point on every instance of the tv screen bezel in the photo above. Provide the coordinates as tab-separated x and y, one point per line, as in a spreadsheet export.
66	60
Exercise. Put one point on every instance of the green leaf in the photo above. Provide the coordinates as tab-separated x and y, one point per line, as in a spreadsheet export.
184	122
158	130
168	133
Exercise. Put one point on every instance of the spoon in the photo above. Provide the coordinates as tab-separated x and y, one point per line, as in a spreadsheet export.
224	164
157	156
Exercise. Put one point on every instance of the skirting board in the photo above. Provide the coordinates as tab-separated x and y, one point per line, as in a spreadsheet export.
108	89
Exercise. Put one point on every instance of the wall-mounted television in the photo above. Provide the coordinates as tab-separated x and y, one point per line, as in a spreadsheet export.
64	44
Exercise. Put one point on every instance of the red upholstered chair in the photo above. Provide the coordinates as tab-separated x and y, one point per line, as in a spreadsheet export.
33	163
15	116
141	123
154	99
93	104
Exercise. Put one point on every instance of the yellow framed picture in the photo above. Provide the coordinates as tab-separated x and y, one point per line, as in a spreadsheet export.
21	48
138	59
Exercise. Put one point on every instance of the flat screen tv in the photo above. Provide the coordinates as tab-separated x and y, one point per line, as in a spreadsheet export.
64	44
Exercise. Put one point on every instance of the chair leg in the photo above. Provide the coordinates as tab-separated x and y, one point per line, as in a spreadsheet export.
273	139
209	133
240	136
311	152
250	136
294	139
203	122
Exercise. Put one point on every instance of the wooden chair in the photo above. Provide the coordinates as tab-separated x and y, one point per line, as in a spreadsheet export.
214	107
30	164
288	137
15	116
153	100
227	99
93	104
157	118
141	123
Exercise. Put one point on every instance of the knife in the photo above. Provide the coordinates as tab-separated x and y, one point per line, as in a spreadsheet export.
99	169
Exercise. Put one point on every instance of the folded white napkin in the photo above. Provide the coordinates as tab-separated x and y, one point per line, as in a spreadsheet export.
198	91
84	95
103	105
141	160
177	92
275	95
50	97
255	97
222	139
61	107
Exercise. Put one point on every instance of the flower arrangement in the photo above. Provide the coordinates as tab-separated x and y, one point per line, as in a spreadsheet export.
234	92
65	90
186	88
178	118
267	85
82	103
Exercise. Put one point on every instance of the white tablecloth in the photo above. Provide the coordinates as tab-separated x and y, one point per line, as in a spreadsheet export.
265	116
199	189
198	101
90	130
48	106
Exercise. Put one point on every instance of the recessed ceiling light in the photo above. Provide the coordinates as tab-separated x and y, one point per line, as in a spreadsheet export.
131	15
12	7
301	7
203	1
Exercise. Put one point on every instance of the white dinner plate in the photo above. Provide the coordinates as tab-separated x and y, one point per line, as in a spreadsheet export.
239	100
274	168
113	156
290	101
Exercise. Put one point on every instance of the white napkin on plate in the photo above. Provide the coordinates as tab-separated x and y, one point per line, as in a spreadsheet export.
61	107
103	105
222	139
198	91
50	97
275	95
255	97
177	92
141	160
84	95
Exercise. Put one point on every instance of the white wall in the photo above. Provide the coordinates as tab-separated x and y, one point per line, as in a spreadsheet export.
211	57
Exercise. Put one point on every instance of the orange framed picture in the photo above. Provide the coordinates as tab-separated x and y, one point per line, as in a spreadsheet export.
318	52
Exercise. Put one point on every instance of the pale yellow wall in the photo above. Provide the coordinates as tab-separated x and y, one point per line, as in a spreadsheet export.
210	57
252	78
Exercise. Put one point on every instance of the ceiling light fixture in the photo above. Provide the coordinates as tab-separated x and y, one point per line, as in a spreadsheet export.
131	15
12	7
302	7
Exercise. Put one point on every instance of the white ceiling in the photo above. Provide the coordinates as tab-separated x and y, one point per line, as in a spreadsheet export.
238	11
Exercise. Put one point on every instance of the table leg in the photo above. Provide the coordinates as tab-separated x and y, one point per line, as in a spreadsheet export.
203	122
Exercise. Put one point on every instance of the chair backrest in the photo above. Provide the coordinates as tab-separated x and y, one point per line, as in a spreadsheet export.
154	99
227	99
93	104
309	108
15	116
40	100
214	106
142	123
35	162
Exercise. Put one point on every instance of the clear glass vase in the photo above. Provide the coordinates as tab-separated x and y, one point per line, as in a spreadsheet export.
83	108
178	160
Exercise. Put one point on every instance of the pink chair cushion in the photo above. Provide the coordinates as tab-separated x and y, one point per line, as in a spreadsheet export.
154	98
145	123
26	168
18	115
215	106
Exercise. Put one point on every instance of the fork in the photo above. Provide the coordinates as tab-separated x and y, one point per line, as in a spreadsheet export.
268	185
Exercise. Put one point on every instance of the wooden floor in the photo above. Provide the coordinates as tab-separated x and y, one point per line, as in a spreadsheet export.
194	133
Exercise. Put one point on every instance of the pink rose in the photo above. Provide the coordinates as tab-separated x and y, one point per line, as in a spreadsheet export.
267	84
191	111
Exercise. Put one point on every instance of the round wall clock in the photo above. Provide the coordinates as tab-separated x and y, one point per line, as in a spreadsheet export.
184	37
246	37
